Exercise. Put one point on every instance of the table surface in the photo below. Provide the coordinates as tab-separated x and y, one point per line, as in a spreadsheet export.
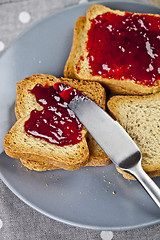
17	220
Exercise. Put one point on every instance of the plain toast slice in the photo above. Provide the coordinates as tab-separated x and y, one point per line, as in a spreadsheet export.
140	117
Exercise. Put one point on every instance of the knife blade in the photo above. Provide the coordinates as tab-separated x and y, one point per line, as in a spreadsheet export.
115	142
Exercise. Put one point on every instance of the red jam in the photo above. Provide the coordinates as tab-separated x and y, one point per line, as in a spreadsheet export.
68	93
56	123
125	47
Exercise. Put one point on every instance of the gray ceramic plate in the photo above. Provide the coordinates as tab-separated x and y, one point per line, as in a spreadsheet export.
81	198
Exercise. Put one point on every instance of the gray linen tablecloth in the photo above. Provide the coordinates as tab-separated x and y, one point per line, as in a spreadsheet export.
17	220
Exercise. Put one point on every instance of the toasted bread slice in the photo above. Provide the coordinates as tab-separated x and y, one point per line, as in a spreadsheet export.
77	65
26	102
140	117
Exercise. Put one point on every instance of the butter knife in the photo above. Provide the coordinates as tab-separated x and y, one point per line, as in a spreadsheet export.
115	142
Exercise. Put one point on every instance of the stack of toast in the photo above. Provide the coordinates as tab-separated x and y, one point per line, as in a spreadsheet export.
37	154
139	115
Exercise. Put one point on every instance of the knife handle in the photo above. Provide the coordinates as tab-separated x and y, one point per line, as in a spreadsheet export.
148	184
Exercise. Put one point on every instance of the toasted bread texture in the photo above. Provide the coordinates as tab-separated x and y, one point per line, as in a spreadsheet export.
77	65
140	117
39	155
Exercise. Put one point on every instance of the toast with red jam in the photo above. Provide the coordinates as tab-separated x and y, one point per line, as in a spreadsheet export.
45	136
118	49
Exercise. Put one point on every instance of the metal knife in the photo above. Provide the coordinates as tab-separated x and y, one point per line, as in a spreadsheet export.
115	142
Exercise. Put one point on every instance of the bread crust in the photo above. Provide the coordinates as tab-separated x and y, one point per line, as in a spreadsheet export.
130	177
78	51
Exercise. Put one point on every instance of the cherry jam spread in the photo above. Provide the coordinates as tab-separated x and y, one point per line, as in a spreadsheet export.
56	123
125	47
68	93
